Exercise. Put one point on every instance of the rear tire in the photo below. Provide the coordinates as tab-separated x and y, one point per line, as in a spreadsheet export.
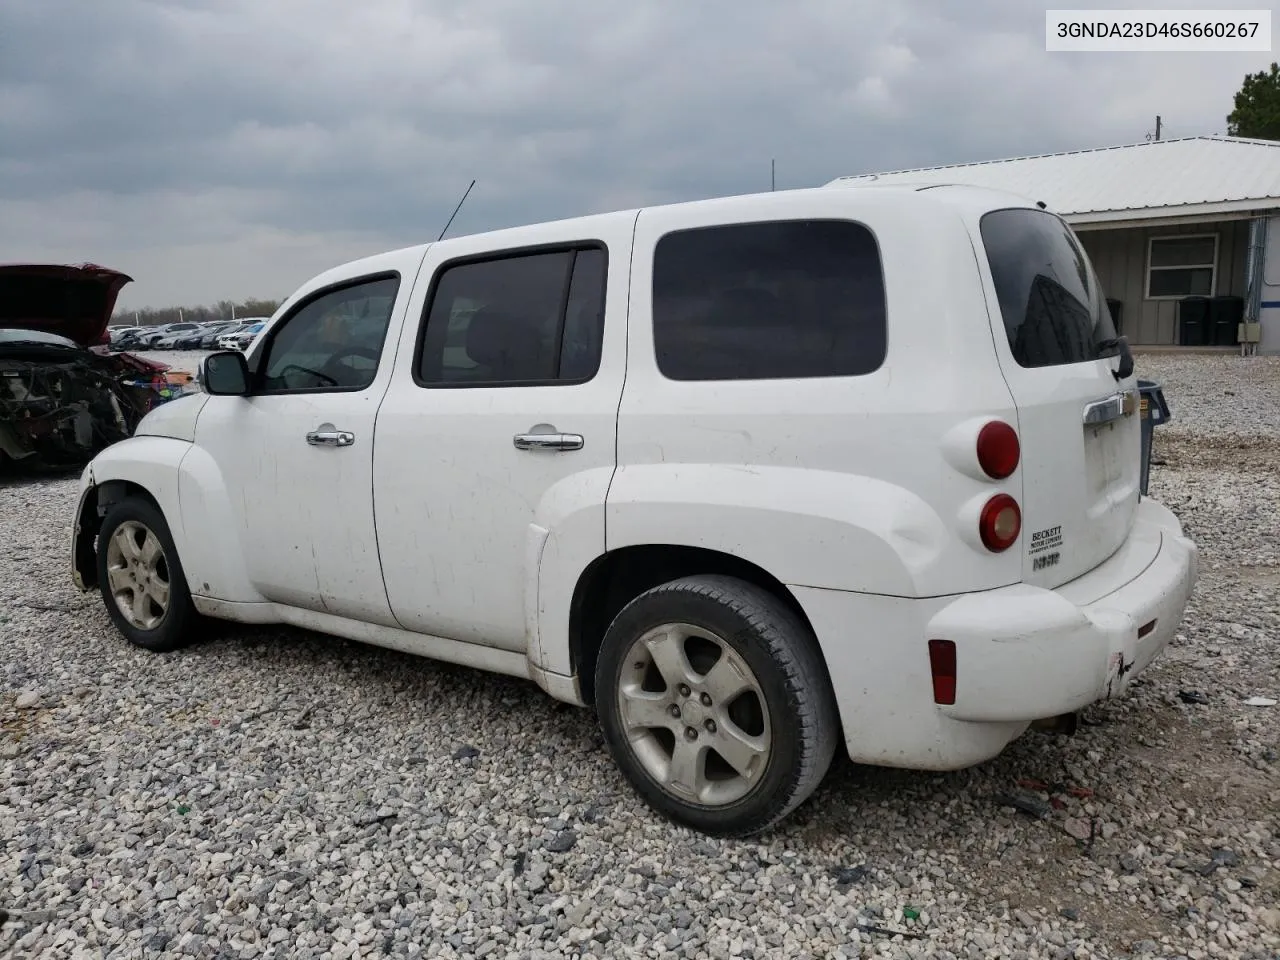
141	579
716	704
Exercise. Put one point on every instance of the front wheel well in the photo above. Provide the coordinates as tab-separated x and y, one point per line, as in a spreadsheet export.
618	577
97	502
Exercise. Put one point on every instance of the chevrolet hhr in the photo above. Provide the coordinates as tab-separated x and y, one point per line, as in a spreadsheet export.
751	477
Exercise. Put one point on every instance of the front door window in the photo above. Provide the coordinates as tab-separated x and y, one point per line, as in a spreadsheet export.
333	343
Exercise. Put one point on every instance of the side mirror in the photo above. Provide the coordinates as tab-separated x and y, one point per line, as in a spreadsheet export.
225	374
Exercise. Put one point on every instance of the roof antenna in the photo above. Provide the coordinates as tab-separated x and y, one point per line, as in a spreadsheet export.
455	212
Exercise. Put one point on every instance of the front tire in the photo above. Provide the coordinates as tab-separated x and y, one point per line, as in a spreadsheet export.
141	578
716	704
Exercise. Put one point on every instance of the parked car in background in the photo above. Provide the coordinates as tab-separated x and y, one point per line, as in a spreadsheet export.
140	339
757	478
210	339
175	337
207	339
191	339
207	334
240	339
116	335
187	339
131	337
166	333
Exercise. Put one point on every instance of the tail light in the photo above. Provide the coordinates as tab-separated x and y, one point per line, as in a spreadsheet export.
942	664
1000	522
998	449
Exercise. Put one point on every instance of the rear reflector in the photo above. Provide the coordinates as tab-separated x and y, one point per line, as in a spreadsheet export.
942	664
998	449
1000	522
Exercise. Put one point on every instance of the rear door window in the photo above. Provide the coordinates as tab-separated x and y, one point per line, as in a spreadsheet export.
516	319
1053	308
778	299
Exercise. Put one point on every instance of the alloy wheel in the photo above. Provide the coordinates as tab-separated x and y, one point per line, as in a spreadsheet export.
694	714
138	575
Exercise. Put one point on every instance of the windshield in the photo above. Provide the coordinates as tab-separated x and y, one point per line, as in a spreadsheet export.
1053	307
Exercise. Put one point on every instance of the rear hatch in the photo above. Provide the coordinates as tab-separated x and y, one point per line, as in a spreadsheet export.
1078	423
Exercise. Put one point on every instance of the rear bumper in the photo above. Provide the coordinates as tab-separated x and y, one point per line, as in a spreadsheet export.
1025	653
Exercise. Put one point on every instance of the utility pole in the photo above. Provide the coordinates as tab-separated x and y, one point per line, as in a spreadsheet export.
1158	127
773	175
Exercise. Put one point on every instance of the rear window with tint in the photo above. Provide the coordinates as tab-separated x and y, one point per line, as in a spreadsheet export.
1053	308
754	301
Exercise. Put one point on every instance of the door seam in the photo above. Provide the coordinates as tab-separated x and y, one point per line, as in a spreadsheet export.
373	440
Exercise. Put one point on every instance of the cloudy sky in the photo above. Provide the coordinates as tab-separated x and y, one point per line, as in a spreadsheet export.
233	148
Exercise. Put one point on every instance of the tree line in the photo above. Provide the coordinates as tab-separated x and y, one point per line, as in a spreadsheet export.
222	310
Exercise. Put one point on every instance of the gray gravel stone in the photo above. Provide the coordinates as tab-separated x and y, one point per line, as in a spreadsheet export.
27	700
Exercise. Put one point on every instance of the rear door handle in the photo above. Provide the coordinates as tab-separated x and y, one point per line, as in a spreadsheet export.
327	436
545	437
1112	408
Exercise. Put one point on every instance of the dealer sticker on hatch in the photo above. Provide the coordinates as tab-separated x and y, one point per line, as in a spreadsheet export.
1041	543
1043	540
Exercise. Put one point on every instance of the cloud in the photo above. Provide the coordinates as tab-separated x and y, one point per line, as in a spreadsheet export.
225	148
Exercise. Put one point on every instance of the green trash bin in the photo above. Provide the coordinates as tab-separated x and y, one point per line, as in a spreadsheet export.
1154	411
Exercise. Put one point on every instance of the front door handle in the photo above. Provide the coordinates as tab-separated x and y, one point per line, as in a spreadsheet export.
546	437
326	436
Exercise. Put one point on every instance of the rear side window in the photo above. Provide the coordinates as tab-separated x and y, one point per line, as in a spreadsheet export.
757	301
520	319
1053	308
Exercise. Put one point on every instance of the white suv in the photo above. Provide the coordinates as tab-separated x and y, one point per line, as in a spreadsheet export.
750	476
241	335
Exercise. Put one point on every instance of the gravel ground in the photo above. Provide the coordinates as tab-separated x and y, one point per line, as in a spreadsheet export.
274	793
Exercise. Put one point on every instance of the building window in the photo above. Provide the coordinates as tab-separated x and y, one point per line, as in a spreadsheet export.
1182	266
